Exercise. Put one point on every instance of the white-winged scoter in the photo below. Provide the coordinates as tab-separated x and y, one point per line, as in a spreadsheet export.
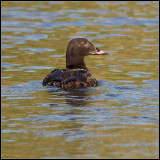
76	74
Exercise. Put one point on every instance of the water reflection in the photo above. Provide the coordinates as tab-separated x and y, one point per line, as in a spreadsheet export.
120	114
76	97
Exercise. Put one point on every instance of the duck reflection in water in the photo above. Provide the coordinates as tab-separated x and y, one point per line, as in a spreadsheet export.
76	97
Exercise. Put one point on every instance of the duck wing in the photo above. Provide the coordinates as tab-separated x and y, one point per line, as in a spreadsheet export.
70	78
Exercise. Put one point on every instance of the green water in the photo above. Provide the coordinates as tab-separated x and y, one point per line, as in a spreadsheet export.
117	119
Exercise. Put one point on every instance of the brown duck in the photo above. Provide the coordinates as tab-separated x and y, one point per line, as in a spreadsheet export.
76	74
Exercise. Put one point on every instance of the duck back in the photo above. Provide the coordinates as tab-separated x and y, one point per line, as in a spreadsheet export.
70	78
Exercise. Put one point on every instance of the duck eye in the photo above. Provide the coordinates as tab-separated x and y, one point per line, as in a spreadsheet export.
97	49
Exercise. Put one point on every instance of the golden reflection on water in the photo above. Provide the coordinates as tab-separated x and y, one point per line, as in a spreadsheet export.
67	127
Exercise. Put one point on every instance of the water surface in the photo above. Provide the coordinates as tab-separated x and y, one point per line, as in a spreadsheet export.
118	118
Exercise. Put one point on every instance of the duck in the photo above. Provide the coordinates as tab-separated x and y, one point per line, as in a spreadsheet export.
76	74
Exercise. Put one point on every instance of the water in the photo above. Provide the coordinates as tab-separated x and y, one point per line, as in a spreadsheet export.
118	118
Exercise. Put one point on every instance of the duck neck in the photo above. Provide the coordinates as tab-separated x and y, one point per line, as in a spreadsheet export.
75	62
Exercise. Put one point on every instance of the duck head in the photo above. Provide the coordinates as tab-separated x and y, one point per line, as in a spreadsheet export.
77	49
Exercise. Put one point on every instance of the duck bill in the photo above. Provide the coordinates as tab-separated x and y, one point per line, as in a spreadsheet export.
98	53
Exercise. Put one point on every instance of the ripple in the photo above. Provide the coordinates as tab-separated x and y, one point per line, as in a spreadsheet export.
115	70
38	49
20	97
37	67
140	74
17	29
8	56
7	46
6	77
88	32
149	39
14	131
9	65
148	45
56	56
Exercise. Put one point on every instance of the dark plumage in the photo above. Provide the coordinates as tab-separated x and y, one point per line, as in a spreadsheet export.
76	74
